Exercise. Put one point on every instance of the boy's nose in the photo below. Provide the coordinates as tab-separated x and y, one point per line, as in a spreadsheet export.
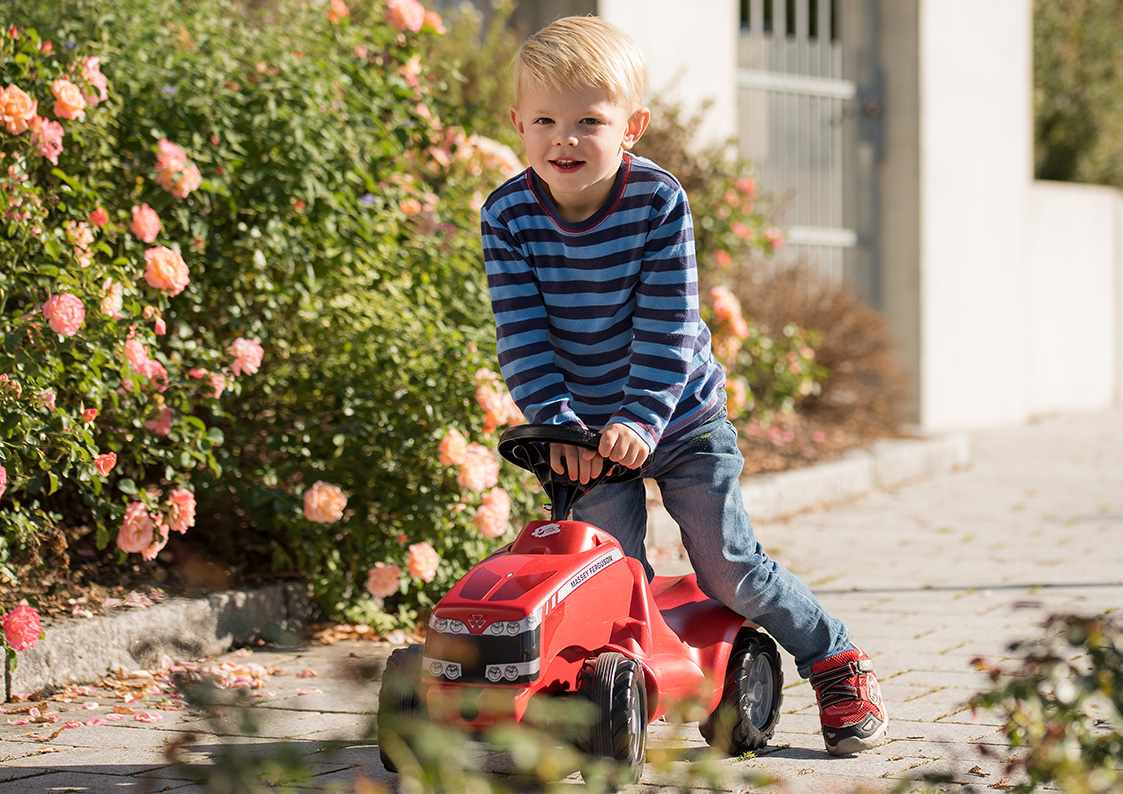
566	140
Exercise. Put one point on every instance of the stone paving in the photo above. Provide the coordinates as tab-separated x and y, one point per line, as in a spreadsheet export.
926	577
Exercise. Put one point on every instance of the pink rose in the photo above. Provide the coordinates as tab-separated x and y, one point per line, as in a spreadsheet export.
99	217
166	270
384	580
91	70
741	230
324	503
157	375
773	237
47	137
146	223
3	481
161	425
89	415
746	185
338	11
136	531
159	541
159	327
434	23
723	258
65	313
105	462
247	355
22	627
737	395
422	561
726	305
17	109
218	383
170	156
181	510
111	299
405	14
479	470
196	373
493	514
69	102
47	399
136	355
452	448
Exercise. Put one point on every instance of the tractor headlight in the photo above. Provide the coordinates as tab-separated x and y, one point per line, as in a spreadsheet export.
511	628
447	625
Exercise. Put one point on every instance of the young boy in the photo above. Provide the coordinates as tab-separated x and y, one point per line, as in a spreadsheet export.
590	265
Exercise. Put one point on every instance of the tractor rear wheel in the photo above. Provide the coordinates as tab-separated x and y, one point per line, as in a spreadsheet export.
398	698
615	685
749	710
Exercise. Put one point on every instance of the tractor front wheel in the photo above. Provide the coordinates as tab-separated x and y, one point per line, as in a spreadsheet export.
615	686
399	698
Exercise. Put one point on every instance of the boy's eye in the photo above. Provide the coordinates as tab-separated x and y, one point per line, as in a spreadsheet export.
543	120
591	120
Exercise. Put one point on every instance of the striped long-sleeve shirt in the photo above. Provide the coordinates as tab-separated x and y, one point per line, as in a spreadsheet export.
597	322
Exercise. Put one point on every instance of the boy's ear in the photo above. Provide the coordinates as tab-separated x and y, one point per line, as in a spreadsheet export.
516	121
637	126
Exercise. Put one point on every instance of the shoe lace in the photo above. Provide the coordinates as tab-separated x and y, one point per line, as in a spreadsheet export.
836	685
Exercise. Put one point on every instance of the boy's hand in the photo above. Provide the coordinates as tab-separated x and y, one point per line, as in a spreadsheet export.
582	464
621	444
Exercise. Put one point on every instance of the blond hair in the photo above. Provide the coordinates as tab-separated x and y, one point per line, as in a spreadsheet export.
578	52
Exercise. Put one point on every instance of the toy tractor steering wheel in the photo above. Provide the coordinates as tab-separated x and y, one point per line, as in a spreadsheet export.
528	446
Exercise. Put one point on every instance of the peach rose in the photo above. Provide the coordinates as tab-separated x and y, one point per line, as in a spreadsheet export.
17	109
405	14
111	299
218	383
161	425
746	185
166	270
105	462
384	580
69	102
324	503
452	448
338	11
493	514
47	137
89	415
99	217
159	541
137	527
479	470
181	510
136	355
22	628
741	230
146	223
91	70
433	22
65	313
247	355
170	156
422	561
723	258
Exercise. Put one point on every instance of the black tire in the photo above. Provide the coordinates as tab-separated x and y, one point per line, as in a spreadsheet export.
398	697
615	685
749	710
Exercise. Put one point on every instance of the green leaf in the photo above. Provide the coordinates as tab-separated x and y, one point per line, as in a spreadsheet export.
126	486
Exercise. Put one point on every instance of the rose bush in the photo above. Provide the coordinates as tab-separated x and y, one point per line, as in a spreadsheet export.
314	203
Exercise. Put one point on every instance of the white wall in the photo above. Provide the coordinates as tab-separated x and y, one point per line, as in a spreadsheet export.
1073	303
691	52
975	171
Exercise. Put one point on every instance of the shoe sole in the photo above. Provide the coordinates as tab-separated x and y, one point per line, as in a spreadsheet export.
853	744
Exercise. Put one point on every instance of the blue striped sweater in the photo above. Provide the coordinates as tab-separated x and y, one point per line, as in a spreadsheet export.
597	322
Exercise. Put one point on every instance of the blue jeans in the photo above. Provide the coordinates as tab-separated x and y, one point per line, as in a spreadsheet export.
699	478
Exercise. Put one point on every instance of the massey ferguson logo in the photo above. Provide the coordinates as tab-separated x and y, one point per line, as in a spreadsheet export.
476	622
545	530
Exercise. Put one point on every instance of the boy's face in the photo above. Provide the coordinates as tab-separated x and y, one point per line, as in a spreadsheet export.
574	138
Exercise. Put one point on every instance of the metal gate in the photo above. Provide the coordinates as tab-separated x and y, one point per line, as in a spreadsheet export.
809	107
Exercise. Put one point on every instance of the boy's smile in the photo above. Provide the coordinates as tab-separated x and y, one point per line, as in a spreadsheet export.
574	140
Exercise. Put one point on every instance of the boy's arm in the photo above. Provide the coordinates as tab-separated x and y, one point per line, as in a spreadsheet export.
526	357
666	323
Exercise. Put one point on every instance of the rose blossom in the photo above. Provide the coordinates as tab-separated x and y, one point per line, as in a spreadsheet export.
480	469
3	481
405	14
723	258
159	541
422	561
384	580
166	270
161	425
135	534
65	313
492	516
170	156
218	383
99	217
89	415
136	355
22	627
17	109
47	399
737	395
324	502
111	299
774	237
452	448
247	355
69	102
746	185
146	223
91	70
434	22
47	136
338	11
159	327
181	510
105	462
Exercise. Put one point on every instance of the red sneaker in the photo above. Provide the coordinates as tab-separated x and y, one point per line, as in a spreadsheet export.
850	706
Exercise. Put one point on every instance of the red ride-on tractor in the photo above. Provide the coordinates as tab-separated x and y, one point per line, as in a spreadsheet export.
561	612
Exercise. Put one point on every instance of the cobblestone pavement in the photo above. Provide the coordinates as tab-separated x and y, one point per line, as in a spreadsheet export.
925	577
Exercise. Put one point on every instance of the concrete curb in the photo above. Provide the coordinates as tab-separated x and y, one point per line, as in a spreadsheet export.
882	466
84	649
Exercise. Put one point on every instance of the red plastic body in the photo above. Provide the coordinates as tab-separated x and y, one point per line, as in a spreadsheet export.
586	598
